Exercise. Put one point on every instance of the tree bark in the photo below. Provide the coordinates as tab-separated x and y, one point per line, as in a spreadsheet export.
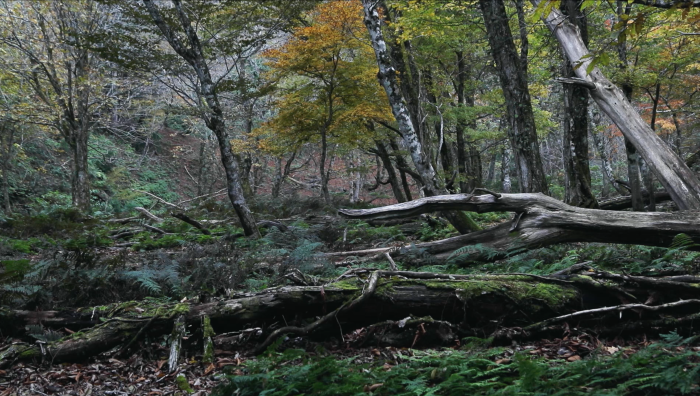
512	75
388	78
673	174
506	307
7	139
539	221
194	55
383	154
578	191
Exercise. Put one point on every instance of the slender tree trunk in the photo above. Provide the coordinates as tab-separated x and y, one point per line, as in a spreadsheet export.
8	140
194	55
383	154
505	170
281	173
80	183
402	165
521	133
322	169
491	174
578	191
647	174
388	78
672	172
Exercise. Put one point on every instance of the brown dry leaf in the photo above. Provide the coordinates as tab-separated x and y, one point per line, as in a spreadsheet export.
502	361
535	351
370	388
387	367
209	369
573	358
376	352
69	331
160	364
611	350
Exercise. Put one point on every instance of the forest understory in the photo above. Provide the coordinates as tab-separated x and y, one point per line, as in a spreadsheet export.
134	305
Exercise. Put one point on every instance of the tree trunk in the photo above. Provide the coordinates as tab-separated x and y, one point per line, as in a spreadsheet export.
194	55
521	131
402	165
80	182
391	172
388	78
447	308
7	139
322	169
578	191
539	221
281	174
505	170
673	174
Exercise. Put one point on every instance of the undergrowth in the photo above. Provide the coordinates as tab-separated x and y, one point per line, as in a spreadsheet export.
669	367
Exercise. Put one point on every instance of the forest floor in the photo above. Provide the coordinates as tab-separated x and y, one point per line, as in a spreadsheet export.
62	260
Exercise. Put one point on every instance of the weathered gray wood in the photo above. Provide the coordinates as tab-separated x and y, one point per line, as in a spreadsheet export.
541	221
477	305
672	172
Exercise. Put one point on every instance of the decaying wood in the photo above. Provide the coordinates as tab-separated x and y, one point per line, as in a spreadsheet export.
194	223
505	307
625	202
540	221
148	214
673	173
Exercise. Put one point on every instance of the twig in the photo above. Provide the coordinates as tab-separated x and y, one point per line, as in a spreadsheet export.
194	223
620	308
573	269
159	199
495	194
369	290
223	190
577	81
392	264
154	229
148	214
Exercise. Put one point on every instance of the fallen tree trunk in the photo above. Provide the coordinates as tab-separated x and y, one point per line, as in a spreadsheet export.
430	308
625	202
539	221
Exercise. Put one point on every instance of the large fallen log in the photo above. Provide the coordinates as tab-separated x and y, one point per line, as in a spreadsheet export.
539	221
506	307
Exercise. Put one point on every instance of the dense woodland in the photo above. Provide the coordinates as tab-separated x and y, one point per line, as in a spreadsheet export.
349	197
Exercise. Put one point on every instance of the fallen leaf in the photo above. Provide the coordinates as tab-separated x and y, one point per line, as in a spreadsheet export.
370	388
209	369
611	350
573	358
160	364
502	361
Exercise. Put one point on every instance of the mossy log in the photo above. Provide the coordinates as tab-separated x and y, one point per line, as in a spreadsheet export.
539	221
506	307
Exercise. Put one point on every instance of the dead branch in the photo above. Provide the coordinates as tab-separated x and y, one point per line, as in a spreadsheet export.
159	199
194	223
542	221
148	214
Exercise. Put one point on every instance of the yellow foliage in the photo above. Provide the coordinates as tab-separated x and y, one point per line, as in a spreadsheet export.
327	76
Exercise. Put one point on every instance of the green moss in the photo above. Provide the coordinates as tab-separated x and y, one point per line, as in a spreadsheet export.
208	333
182	384
345	285
518	287
206	327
